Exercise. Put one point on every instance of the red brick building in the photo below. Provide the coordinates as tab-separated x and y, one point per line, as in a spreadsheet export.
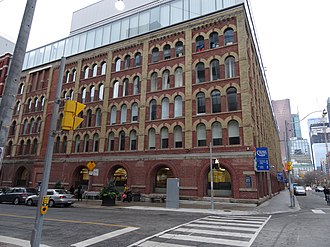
154	103
4	66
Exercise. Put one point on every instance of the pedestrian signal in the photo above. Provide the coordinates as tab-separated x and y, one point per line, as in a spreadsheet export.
70	119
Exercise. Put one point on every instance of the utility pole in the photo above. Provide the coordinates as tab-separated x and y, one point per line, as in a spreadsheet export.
14	74
36	233
324	113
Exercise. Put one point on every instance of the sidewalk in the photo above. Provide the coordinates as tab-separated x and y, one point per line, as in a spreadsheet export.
278	204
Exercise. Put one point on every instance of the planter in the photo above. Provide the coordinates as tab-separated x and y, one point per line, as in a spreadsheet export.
108	201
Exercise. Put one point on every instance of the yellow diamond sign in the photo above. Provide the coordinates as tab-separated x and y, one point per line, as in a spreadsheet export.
91	165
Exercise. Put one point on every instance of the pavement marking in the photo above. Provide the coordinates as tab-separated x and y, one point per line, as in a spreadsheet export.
67	221
209	230
157	244
103	237
17	241
205	239
318	211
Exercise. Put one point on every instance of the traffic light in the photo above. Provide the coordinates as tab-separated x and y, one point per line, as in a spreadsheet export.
288	166
70	118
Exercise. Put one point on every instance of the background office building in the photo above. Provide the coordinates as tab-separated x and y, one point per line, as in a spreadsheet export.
160	82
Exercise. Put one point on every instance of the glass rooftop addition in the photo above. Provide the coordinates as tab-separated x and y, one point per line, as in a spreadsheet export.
153	18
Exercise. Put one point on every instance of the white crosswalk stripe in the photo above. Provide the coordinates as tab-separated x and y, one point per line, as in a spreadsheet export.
318	211
209	231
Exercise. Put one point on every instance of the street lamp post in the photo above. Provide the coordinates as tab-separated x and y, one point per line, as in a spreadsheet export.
324	113
211	177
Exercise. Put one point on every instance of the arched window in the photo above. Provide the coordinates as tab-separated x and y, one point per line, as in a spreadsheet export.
9	148
123	114
101	92
138	59
34	146
200	103
103	68
136	85
32	126
67	77
96	142
36	103
59	122
178	106
164	137
92	93
229	36
166	80
178	78
25	126
125	87
64	145
154	82
179	49
20	89
115	89
215	70
94	70
121	140
86	143
89	118
127	61
86	72
216	134
57	145
38	124
167	52
216	101
21	148
74	75
113	115
201	135
17	108
132	140
200	43
232	103
83	95
230	67
98	116
200	72
153	110
165	108
155	55
152	138
71	94
135	112
118	64
178	136
214	40
233	132
111	141
27	147
13	128
29	105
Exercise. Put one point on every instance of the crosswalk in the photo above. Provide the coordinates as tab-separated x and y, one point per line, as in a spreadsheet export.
209	231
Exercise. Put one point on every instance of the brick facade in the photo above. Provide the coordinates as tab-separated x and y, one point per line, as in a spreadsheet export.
191	162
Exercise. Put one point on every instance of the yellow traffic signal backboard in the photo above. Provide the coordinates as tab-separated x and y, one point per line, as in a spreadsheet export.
70	118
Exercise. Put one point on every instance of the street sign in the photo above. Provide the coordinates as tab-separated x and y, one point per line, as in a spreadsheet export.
262	163
91	165
280	176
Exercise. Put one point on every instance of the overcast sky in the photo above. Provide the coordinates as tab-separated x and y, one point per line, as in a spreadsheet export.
293	37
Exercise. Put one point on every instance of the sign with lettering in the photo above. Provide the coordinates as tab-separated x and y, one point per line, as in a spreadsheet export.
262	163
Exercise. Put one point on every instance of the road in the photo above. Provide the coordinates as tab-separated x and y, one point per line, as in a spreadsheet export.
120	227
305	228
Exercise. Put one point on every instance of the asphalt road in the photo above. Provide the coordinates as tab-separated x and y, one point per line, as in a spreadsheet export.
98	227
305	228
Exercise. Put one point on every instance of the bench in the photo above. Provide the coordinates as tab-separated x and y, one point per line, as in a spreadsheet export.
157	198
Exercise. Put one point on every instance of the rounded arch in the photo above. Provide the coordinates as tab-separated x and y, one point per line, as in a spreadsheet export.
223	179
22	176
158	177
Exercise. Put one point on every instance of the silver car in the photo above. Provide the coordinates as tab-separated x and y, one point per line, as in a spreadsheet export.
56	197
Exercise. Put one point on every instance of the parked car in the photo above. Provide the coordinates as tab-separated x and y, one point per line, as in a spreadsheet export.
56	197
299	190
319	189
16	195
308	188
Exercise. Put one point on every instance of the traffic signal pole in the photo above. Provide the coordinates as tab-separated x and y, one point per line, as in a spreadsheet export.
14	74
36	233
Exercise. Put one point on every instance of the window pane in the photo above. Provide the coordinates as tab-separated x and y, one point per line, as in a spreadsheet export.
90	40
176	12
144	22
164	15
124	28
115	31
133	25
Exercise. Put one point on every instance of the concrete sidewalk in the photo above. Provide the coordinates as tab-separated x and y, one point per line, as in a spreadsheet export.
278	204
